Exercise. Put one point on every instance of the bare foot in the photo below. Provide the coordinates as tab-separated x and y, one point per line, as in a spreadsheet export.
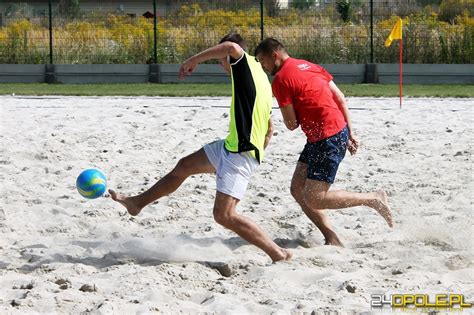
286	254
380	204
127	202
334	241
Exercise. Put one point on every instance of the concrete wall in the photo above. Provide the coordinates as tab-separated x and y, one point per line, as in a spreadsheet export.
22	73
426	73
101	73
350	73
203	74
168	73
214	73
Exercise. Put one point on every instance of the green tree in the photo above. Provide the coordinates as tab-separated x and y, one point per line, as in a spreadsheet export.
19	10
424	3
343	7
69	8
272	7
449	9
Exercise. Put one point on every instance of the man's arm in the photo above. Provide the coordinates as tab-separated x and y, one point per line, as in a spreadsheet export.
289	117
217	52
341	102
269	134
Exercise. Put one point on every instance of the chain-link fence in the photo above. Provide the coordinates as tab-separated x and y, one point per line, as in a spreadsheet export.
153	31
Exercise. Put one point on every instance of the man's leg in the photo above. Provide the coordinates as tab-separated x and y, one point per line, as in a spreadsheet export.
317	195
317	216
195	163
225	214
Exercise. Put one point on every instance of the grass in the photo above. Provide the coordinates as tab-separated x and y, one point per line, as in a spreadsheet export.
144	89
409	90
181	90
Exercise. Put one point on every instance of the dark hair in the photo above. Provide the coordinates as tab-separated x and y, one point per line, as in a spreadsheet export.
235	38
269	45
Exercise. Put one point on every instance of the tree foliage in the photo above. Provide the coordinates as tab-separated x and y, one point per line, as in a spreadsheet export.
303	4
449	9
69	8
343	7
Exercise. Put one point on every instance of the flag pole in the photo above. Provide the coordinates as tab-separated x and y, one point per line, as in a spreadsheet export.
401	72
396	33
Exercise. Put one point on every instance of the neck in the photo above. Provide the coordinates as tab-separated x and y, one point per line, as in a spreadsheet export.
283	58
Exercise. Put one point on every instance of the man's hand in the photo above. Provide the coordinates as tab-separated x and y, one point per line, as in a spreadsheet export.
187	68
217	52
353	144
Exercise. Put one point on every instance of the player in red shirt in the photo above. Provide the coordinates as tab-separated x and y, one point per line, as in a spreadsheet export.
308	97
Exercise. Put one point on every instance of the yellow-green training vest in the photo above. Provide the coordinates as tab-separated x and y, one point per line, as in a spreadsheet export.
250	108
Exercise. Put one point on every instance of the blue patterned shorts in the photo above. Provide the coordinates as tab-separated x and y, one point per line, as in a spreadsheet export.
323	157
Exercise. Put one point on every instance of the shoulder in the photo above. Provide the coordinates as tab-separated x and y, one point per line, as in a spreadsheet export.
317	67
322	71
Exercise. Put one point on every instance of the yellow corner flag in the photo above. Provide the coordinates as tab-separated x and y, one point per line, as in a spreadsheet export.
396	33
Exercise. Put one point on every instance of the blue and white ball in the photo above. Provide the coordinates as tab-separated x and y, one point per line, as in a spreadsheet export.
91	184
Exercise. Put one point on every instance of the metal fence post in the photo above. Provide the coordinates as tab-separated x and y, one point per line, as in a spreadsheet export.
261	20
50	76
155	51
50	32
154	67
371	31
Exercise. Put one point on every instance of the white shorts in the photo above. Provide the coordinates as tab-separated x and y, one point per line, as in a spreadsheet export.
233	170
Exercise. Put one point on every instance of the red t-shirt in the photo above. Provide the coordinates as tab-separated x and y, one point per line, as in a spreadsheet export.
306	86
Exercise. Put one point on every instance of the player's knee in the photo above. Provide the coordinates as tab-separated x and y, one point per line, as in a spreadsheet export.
184	167
222	217
297	193
314	199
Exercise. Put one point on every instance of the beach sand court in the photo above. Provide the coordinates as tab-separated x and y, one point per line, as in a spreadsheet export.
61	253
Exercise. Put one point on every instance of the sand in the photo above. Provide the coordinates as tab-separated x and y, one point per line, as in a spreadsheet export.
63	254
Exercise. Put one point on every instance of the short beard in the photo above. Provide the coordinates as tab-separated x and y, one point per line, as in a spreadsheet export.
274	70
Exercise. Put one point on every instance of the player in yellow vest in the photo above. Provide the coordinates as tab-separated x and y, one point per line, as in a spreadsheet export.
233	159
